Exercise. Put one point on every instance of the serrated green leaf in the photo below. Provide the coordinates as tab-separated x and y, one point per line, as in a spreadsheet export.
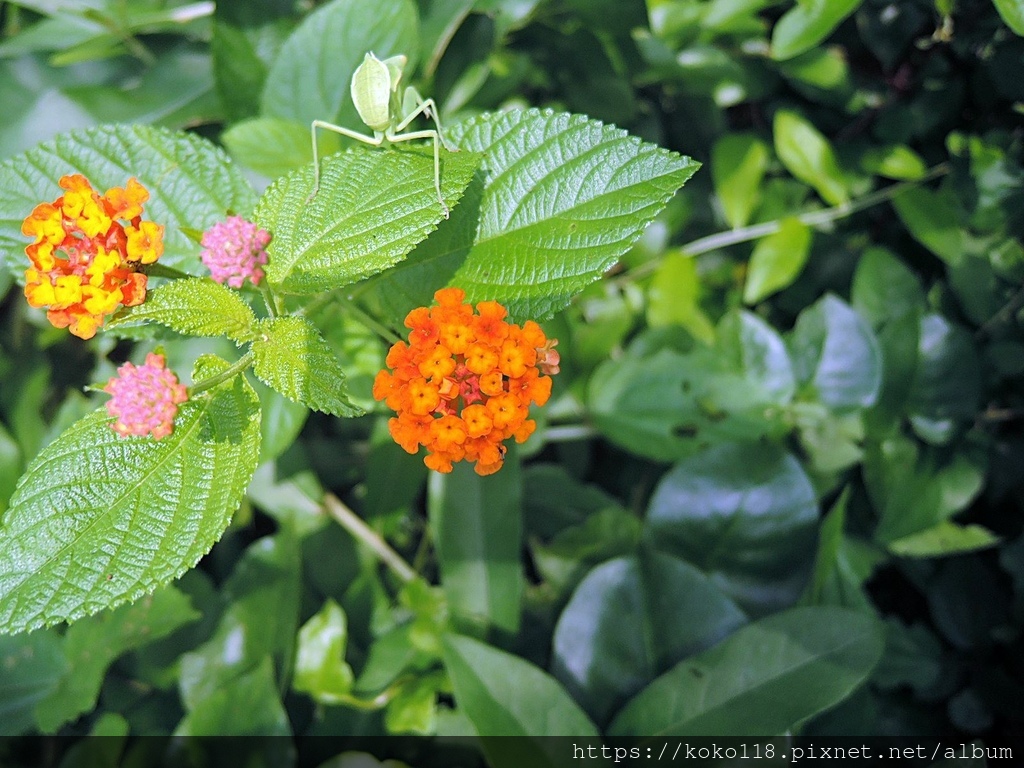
291	357
777	260
93	643
564	198
1012	12
195	307
273	146
320	668
806	24
807	155
765	679
91	497
372	208
191	182
309	80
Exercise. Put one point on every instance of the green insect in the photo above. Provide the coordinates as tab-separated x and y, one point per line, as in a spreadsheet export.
375	96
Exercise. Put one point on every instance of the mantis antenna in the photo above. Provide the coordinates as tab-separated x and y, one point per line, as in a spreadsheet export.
375	95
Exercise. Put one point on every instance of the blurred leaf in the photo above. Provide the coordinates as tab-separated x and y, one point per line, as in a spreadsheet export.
193	307
777	260
258	625
895	161
564	198
806	24
746	515
1012	12
946	538
320	668
809	156
10	466
273	146
310	77
372	208
92	644
836	355
476	524
504	695
253	692
946	387
932	219
674	297
738	163
766	678
191	182
675	611
33	665
291	356
167	500
884	289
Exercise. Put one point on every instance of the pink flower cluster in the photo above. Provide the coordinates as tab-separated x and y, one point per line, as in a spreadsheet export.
145	398
234	250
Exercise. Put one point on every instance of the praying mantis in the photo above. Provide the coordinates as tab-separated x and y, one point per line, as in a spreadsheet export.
375	96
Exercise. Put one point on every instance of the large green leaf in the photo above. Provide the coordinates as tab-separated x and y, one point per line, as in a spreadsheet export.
195	307
372	208
290	356
674	612
309	80
477	529
806	24
99	520
504	695
765	679
93	643
746	515
836	355
564	198
254	693
191	182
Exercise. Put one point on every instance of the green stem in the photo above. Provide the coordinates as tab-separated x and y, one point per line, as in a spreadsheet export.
355	525
372	323
269	299
810	218
228	373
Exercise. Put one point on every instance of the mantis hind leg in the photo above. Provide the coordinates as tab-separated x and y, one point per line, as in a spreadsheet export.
414	105
375	141
437	158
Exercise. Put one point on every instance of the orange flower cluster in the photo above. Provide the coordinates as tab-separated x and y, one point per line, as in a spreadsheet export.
84	260
464	382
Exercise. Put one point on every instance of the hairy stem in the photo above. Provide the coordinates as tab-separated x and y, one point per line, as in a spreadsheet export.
228	373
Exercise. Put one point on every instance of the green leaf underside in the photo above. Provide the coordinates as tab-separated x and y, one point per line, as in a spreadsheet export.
98	520
765	679
194	307
191	182
564	198
291	357
372	208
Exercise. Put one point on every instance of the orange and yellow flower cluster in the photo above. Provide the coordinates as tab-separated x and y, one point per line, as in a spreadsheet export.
85	261
465	381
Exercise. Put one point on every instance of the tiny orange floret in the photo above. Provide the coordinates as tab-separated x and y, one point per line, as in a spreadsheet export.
464	382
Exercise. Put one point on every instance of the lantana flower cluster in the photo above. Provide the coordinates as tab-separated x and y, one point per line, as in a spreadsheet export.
87	252
464	382
145	398
234	250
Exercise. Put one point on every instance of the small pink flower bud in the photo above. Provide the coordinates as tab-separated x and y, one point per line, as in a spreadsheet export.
234	250
145	398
